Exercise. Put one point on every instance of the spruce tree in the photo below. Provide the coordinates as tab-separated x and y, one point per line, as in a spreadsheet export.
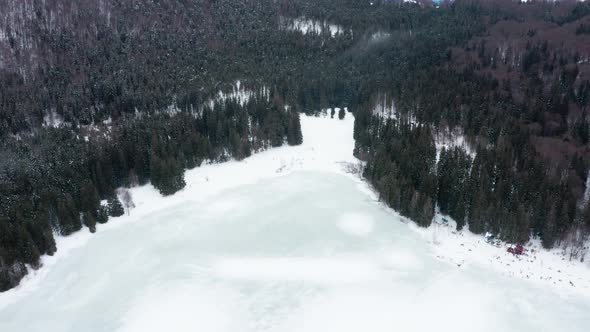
115	207
102	215
89	221
548	235
68	215
294	135
89	199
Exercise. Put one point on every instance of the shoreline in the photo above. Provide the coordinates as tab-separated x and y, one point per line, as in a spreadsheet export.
325	148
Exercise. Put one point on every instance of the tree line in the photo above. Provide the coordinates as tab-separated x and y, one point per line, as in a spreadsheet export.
55	184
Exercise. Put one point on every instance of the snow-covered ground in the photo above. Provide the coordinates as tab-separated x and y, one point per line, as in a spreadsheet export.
306	25
452	139
546	268
380	36
238	93
53	120
290	240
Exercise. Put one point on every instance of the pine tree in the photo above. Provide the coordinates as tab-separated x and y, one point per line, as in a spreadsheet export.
115	207
89	221
168	175
27	250
297	127
294	135
548	235
89	199
102	215
68	215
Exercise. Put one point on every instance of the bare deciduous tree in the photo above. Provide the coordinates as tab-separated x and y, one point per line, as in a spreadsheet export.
575	241
133	178
127	200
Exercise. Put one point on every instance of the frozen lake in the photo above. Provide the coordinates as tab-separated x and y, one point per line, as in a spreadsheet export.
307	251
283	241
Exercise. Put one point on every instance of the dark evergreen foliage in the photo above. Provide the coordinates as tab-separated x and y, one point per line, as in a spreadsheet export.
102	215
115	207
527	122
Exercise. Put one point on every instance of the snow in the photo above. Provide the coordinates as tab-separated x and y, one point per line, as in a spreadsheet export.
450	140
53	120
586	196
380	36
172	109
238	94
545	268
305	26
356	224
326	270
3	35
289	240
385	109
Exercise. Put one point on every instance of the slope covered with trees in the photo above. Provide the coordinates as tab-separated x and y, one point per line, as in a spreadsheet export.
517	93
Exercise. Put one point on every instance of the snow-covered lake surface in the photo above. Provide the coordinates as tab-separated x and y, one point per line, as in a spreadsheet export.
286	240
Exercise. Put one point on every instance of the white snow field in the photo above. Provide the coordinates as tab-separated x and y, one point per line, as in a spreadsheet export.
284	241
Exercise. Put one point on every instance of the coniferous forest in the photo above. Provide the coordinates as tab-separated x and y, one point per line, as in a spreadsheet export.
99	95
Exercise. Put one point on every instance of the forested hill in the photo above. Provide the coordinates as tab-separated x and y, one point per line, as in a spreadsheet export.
495	133
101	94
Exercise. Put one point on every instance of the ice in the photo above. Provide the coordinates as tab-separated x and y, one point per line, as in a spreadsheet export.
188	308
246	248
323	270
356	224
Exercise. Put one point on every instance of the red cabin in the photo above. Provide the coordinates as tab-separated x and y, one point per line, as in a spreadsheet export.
518	250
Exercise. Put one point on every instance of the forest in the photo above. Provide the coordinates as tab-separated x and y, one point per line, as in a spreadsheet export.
517	94
101	95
